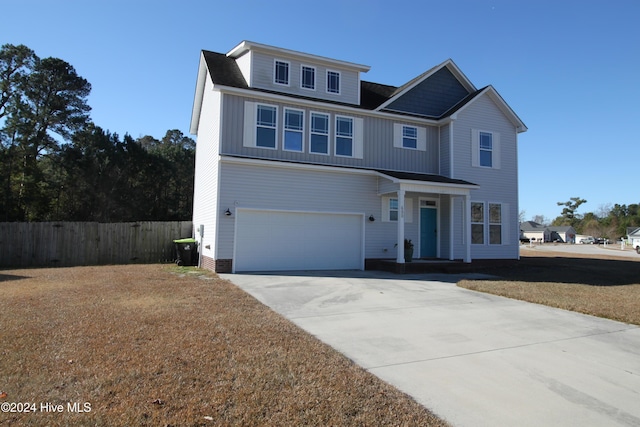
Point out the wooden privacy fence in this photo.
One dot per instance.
(46, 244)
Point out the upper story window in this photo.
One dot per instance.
(281, 73)
(333, 82)
(485, 147)
(266, 116)
(319, 134)
(409, 137)
(308, 77)
(293, 129)
(344, 136)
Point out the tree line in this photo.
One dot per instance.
(610, 221)
(56, 164)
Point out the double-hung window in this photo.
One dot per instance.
(266, 116)
(293, 129)
(409, 137)
(393, 209)
(333, 82)
(477, 223)
(308, 77)
(486, 149)
(495, 224)
(281, 73)
(344, 136)
(319, 134)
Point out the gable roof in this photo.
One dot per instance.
(633, 230)
(531, 226)
(224, 71)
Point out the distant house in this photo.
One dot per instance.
(534, 231)
(633, 236)
(538, 232)
(564, 234)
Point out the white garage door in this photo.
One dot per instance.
(281, 240)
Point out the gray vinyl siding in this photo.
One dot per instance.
(378, 149)
(445, 151)
(496, 185)
(284, 188)
(433, 96)
(205, 207)
(263, 78)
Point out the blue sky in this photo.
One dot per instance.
(568, 68)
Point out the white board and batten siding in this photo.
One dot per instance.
(269, 240)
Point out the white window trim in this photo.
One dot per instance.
(339, 82)
(256, 105)
(311, 113)
(275, 72)
(315, 77)
(483, 223)
(284, 129)
(386, 207)
(421, 144)
(336, 136)
(504, 224)
(495, 149)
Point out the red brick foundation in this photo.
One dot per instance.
(217, 265)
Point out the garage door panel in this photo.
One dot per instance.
(281, 240)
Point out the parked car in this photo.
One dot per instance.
(590, 240)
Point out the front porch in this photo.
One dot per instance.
(426, 266)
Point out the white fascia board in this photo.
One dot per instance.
(246, 46)
(324, 105)
(502, 105)
(203, 75)
(470, 87)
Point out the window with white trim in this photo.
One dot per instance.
(266, 119)
(308, 77)
(293, 130)
(486, 149)
(344, 136)
(393, 209)
(495, 224)
(477, 223)
(485, 146)
(333, 82)
(281, 73)
(409, 137)
(319, 133)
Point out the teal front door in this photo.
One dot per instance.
(428, 233)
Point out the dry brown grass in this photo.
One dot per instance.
(145, 345)
(605, 286)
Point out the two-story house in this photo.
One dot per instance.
(301, 165)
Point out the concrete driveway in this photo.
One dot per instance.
(473, 359)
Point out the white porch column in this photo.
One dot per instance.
(400, 257)
(452, 205)
(467, 222)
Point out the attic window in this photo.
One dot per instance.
(281, 73)
(308, 77)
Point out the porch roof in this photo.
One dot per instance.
(425, 183)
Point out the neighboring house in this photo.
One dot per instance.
(534, 231)
(301, 165)
(563, 234)
(542, 233)
(633, 236)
